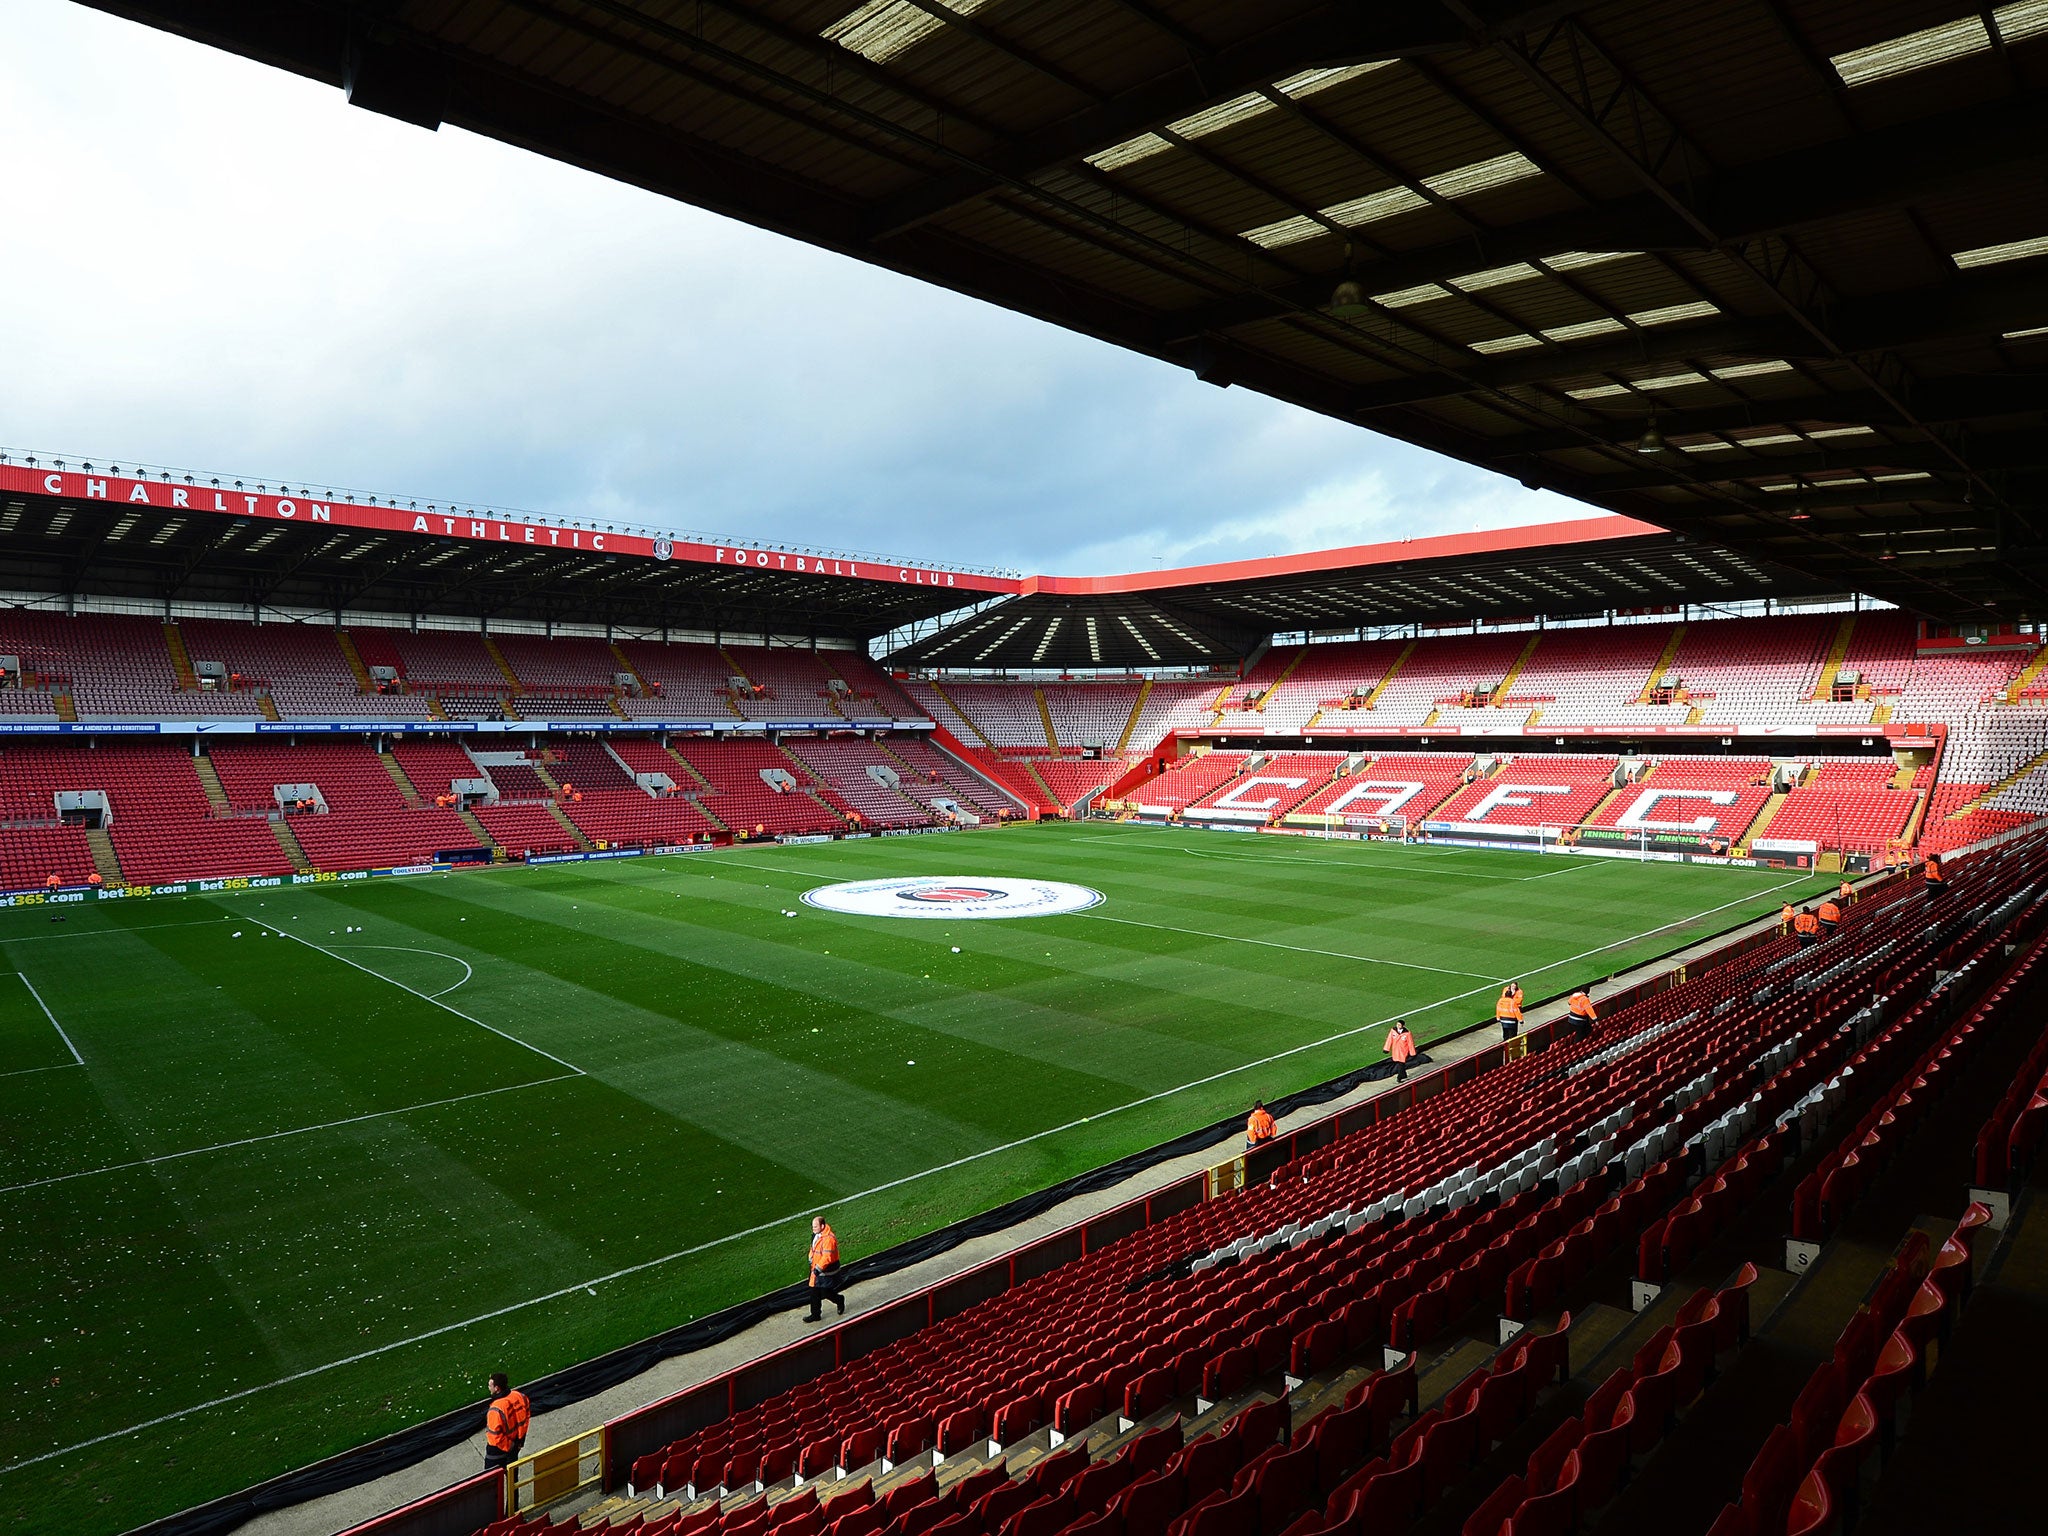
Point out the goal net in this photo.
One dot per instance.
(1391, 829)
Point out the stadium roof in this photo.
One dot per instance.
(1209, 613)
(1799, 243)
(163, 536)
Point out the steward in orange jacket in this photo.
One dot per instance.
(505, 1422)
(1932, 874)
(1830, 916)
(1807, 926)
(1785, 915)
(1258, 1126)
(1583, 1014)
(824, 1269)
(1507, 1012)
(1400, 1046)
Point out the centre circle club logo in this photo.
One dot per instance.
(953, 897)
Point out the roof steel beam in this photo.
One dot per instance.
(1327, 35)
(1960, 309)
(1948, 152)
(1962, 398)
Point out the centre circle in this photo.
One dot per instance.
(953, 897)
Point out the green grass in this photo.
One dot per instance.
(287, 1176)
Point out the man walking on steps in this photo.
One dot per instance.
(1807, 926)
(824, 1270)
(1400, 1046)
(1830, 917)
(505, 1423)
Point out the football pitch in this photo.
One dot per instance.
(285, 1170)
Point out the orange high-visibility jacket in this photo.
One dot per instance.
(1510, 1004)
(824, 1251)
(1400, 1045)
(1846, 891)
(506, 1422)
(1258, 1126)
(1830, 913)
(1932, 873)
(1582, 1005)
(1806, 922)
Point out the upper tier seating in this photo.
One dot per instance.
(301, 667)
(560, 662)
(24, 703)
(931, 702)
(1090, 714)
(1005, 714)
(1172, 707)
(876, 695)
(1446, 668)
(432, 660)
(1337, 671)
(118, 667)
(1592, 676)
(797, 683)
(687, 681)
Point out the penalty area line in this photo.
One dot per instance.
(833, 1204)
(467, 1018)
(76, 1059)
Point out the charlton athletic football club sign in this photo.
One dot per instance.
(953, 897)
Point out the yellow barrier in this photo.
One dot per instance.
(1225, 1177)
(534, 1481)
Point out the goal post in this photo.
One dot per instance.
(1389, 829)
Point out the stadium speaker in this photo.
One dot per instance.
(385, 71)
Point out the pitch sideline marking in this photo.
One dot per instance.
(413, 949)
(767, 1226)
(76, 1059)
(301, 1130)
(467, 1018)
(1300, 949)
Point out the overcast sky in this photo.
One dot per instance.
(208, 264)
